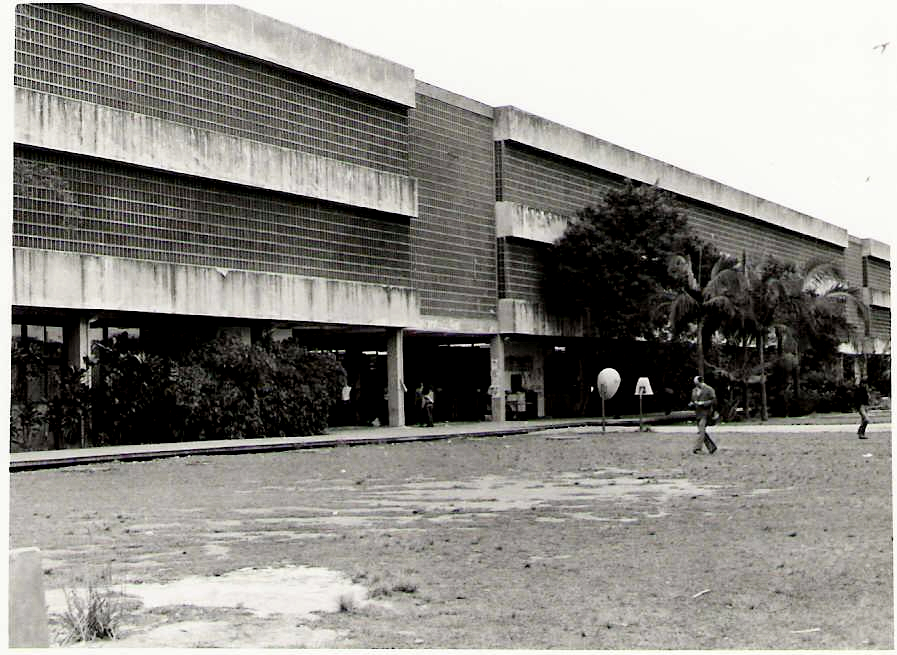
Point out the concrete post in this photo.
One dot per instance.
(77, 341)
(497, 377)
(27, 608)
(395, 372)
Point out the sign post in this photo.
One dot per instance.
(608, 383)
(642, 388)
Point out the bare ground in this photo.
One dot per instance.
(566, 539)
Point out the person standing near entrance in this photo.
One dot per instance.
(861, 403)
(703, 400)
(428, 402)
(419, 404)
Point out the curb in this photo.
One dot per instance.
(32, 461)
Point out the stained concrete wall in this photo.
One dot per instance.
(49, 121)
(455, 99)
(243, 31)
(512, 124)
(524, 317)
(513, 219)
(877, 297)
(43, 278)
(877, 249)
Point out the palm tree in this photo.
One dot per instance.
(813, 308)
(707, 306)
(763, 295)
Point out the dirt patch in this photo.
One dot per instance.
(602, 541)
(267, 605)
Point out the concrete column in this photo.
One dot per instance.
(77, 342)
(395, 371)
(497, 377)
(27, 608)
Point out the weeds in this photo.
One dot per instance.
(91, 616)
(347, 602)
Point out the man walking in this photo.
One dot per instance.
(703, 399)
(861, 402)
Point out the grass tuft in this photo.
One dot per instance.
(91, 616)
(347, 602)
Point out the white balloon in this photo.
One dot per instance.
(608, 383)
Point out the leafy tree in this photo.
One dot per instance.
(611, 262)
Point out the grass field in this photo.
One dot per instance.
(558, 539)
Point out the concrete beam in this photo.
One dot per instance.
(49, 121)
(877, 249)
(246, 32)
(44, 278)
(515, 220)
(877, 298)
(454, 325)
(450, 98)
(512, 124)
(524, 317)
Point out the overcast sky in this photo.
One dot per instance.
(789, 100)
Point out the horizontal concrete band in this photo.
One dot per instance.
(240, 30)
(43, 278)
(513, 219)
(49, 121)
(454, 99)
(877, 297)
(512, 124)
(529, 318)
(877, 249)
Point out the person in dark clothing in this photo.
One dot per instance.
(428, 402)
(703, 401)
(861, 403)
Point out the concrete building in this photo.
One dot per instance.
(204, 165)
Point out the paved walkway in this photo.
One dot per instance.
(675, 422)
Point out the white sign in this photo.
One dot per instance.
(608, 383)
(643, 387)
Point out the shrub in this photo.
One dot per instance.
(220, 389)
(304, 389)
(70, 408)
(227, 389)
(26, 420)
(130, 395)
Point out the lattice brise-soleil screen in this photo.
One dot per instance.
(79, 205)
(454, 235)
(565, 187)
(73, 52)
(522, 269)
(880, 323)
(541, 181)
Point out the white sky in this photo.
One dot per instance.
(785, 99)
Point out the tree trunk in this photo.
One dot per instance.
(582, 401)
(746, 375)
(700, 346)
(764, 412)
